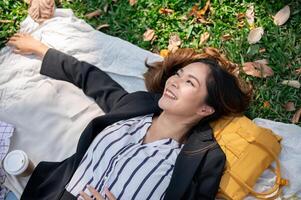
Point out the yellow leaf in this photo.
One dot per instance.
(266, 104)
(174, 42)
(164, 53)
(165, 11)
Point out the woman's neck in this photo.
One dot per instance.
(167, 126)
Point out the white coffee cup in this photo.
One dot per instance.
(17, 163)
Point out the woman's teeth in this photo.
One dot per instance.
(170, 94)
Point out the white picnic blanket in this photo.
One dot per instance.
(49, 115)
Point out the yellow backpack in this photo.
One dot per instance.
(249, 150)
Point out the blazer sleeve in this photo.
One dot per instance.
(212, 171)
(93, 81)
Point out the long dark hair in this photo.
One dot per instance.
(227, 94)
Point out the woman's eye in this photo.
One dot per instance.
(190, 82)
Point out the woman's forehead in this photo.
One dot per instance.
(196, 69)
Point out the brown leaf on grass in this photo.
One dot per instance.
(164, 53)
(226, 37)
(204, 37)
(296, 116)
(250, 15)
(199, 14)
(95, 13)
(132, 2)
(289, 106)
(148, 35)
(240, 16)
(282, 16)
(262, 50)
(255, 35)
(266, 104)
(174, 42)
(166, 11)
(258, 69)
(298, 71)
(103, 26)
(292, 83)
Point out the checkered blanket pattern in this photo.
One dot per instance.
(6, 131)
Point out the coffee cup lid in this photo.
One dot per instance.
(15, 162)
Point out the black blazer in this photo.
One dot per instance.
(198, 167)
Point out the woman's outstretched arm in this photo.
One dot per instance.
(93, 81)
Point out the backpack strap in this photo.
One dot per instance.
(272, 192)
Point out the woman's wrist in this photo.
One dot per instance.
(41, 50)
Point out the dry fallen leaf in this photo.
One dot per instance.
(41, 10)
(262, 50)
(250, 15)
(292, 83)
(266, 104)
(166, 11)
(132, 2)
(203, 11)
(93, 14)
(199, 14)
(255, 35)
(6, 21)
(258, 68)
(102, 26)
(148, 35)
(226, 37)
(298, 71)
(174, 42)
(282, 16)
(204, 37)
(296, 116)
(289, 106)
(164, 53)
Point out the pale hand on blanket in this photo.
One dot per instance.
(26, 44)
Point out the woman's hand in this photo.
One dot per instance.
(26, 44)
(96, 195)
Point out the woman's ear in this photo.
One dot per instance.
(205, 111)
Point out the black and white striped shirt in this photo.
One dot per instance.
(118, 159)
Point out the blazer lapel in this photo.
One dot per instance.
(188, 161)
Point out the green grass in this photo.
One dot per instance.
(282, 44)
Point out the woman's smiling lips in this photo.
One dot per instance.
(168, 93)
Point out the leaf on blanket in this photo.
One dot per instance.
(148, 35)
(289, 106)
(95, 13)
(296, 116)
(132, 2)
(255, 35)
(204, 37)
(164, 53)
(282, 16)
(41, 10)
(258, 68)
(103, 26)
(174, 42)
(292, 83)
(250, 15)
(166, 11)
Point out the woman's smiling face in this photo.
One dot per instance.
(185, 92)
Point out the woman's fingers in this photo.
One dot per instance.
(95, 193)
(84, 196)
(109, 194)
